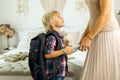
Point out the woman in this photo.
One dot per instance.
(102, 39)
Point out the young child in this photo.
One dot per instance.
(56, 60)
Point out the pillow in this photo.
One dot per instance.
(22, 45)
(32, 35)
(25, 38)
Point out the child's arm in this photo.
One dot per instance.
(50, 47)
(67, 50)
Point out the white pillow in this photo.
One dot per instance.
(25, 38)
(23, 35)
(32, 35)
(22, 45)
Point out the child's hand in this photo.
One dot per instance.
(66, 42)
(68, 50)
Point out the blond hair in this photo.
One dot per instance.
(47, 20)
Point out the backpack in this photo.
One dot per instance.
(36, 59)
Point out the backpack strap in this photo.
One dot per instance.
(58, 42)
(56, 67)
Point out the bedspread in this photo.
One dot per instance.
(16, 68)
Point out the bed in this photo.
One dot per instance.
(16, 70)
(19, 69)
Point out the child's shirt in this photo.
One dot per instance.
(62, 60)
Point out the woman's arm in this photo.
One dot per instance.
(86, 30)
(102, 19)
(100, 23)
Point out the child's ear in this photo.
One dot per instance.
(66, 42)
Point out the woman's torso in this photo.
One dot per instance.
(94, 9)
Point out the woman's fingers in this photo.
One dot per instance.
(85, 44)
(83, 48)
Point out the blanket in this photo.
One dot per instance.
(21, 56)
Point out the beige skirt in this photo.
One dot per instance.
(103, 58)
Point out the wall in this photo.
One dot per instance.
(73, 20)
(33, 19)
(116, 5)
(8, 11)
(9, 15)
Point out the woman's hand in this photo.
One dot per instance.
(85, 43)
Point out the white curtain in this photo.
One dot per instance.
(81, 6)
(53, 5)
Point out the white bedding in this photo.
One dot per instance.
(13, 67)
(12, 52)
(14, 70)
(77, 58)
(20, 69)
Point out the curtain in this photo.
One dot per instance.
(22, 7)
(53, 5)
(81, 6)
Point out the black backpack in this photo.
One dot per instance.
(36, 59)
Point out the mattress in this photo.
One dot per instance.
(14, 68)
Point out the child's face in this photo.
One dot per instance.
(58, 19)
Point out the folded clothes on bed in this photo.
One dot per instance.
(21, 56)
